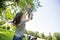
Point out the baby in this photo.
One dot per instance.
(29, 11)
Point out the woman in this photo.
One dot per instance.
(19, 22)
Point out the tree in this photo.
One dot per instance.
(49, 37)
(8, 15)
(42, 35)
(21, 3)
(56, 36)
(2, 22)
(8, 5)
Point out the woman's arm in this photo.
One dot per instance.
(24, 16)
(28, 18)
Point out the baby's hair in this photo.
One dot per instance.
(29, 4)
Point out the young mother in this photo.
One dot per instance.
(19, 21)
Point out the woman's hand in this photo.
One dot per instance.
(29, 17)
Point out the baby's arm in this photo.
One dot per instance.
(31, 14)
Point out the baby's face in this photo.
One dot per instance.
(29, 6)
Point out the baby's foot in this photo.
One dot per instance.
(31, 18)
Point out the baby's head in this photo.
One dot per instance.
(28, 6)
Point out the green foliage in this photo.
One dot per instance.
(2, 22)
(42, 35)
(8, 15)
(7, 35)
(34, 4)
(36, 34)
(49, 38)
(56, 36)
(9, 27)
(12, 27)
(26, 32)
(2, 5)
(21, 3)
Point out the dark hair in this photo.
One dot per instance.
(17, 18)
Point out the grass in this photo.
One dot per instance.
(6, 34)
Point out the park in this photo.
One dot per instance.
(8, 10)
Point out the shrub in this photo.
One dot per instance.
(2, 22)
(56, 36)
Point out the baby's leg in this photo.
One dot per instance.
(30, 15)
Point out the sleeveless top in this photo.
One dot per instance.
(19, 32)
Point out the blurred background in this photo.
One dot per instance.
(44, 26)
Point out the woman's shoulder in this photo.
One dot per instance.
(23, 20)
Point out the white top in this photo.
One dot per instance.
(19, 32)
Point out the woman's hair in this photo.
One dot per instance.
(17, 18)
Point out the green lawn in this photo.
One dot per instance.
(6, 34)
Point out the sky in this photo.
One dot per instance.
(47, 18)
